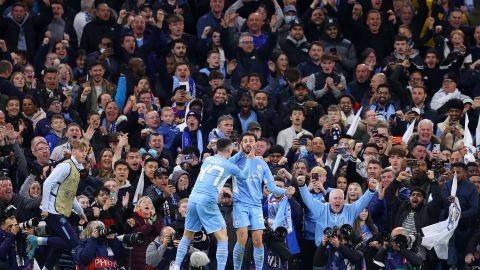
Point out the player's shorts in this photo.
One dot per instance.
(206, 215)
(248, 216)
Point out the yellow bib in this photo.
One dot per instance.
(67, 191)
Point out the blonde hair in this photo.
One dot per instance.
(79, 197)
(184, 200)
(319, 170)
(143, 198)
(80, 144)
(167, 109)
(359, 190)
(68, 68)
(92, 225)
(457, 32)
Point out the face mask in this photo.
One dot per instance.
(289, 19)
(102, 50)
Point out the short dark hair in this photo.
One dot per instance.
(175, 41)
(5, 66)
(49, 70)
(292, 75)
(400, 38)
(276, 149)
(148, 160)
(352, 99)
(384, 85)
(215, 75)
(97, 63)
(248, 134)
(100, 189)
(223, 144)
(420, 190)
(373, 145)
(299, 109)
(120, 162)
(316, 43)
(460, 165)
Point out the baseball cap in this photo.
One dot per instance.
(51, 100)
(415, 110)
(450, 76)
(331, 22)
(289, 8)
(254, 125)
(295, 23)
(467, 100)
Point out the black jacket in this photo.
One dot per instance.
(95, 30)
(33, 27)
(425, 215)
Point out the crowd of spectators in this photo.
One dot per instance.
(339, 94)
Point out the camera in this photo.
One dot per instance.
(275, 239)
(280, 234)
(29, 224)
(187, 158)
(403, 241)
(302, 141)
(131, 239)
(345, 231)
(106, 231)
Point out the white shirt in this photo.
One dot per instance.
(286, 136)
(440, 98)
(52, 183)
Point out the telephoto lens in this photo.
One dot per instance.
(29, 224)
(132, 239)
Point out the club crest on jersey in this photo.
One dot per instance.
(259, 167)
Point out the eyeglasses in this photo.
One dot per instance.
(56, 103)
(247, 42)
(43, 149)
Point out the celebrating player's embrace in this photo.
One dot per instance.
(203, 210)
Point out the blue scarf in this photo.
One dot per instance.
(113, 128)
(191, 83)
(280, 215)
(186, 140)
(215, 134)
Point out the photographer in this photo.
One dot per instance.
(282, 234)
(21, 203)
(99, 248)
(162, 250)
(398, 251)
(9, 230)
(337, 250)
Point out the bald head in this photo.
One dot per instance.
(398, 231)
(378, 79)
(167, 231)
